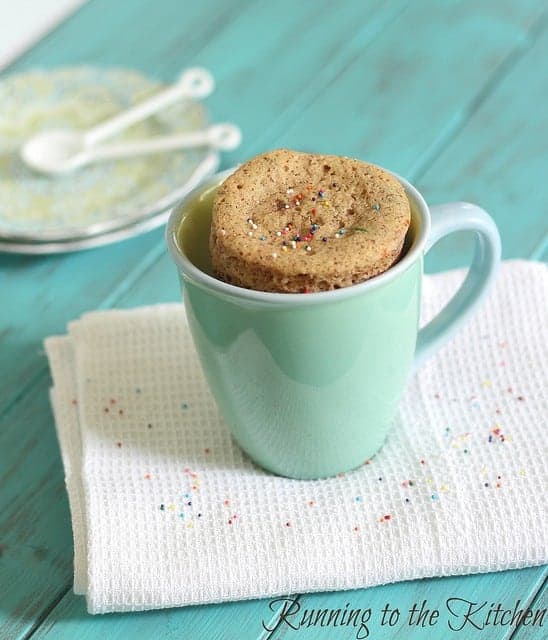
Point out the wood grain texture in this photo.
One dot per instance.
(290, 73)
(534, 632)
(498, 159)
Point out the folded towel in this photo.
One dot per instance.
(168, 511)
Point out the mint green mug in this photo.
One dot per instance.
(309, 384)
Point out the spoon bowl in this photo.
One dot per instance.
(53, 151)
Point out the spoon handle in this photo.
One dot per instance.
(220, 136)
(193, 83)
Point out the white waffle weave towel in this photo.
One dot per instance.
(167, 511)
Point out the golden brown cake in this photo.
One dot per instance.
(296, 222)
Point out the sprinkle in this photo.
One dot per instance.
(263, 237)
(324, 239)
(379, 479)
(288, 524)
(278, 233)
(147, 476)
(387, 516)
(485, 484)
(226, 503)
(308, 247)
(274, 255)
(162, 507)
(321, 193)
(207, 450)
(356, 528)
(184, 405)
(250, 234)
(307, 290)
(311, 503)
(314, 227)
(434, 496)
(423, 461)
(486, 383)
(289, 191)
(120, 412)
(293, 244)
(522, 472)
(286, 206)
(521, 398)
(407, 500)
(106, 409)
(297, 238)
(223, 232)
(149, 426)
(74, 402)
(284, 248)
(181, 515)
(119, 445)
(112, 401)
(358, 498)
(376, 207)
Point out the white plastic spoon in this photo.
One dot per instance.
(52, 151)
(220, 136)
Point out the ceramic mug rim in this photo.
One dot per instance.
(205, 281)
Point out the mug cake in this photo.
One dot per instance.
(293, 222)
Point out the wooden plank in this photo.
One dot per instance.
(238, 620)
(499, 160)
(392, 103)
(35, 533)
(531, 631)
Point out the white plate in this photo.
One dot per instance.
(99, 200)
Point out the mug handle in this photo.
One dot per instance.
(446, 218)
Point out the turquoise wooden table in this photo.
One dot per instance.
(451, 95)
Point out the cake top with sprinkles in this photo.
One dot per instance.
(297, 222)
